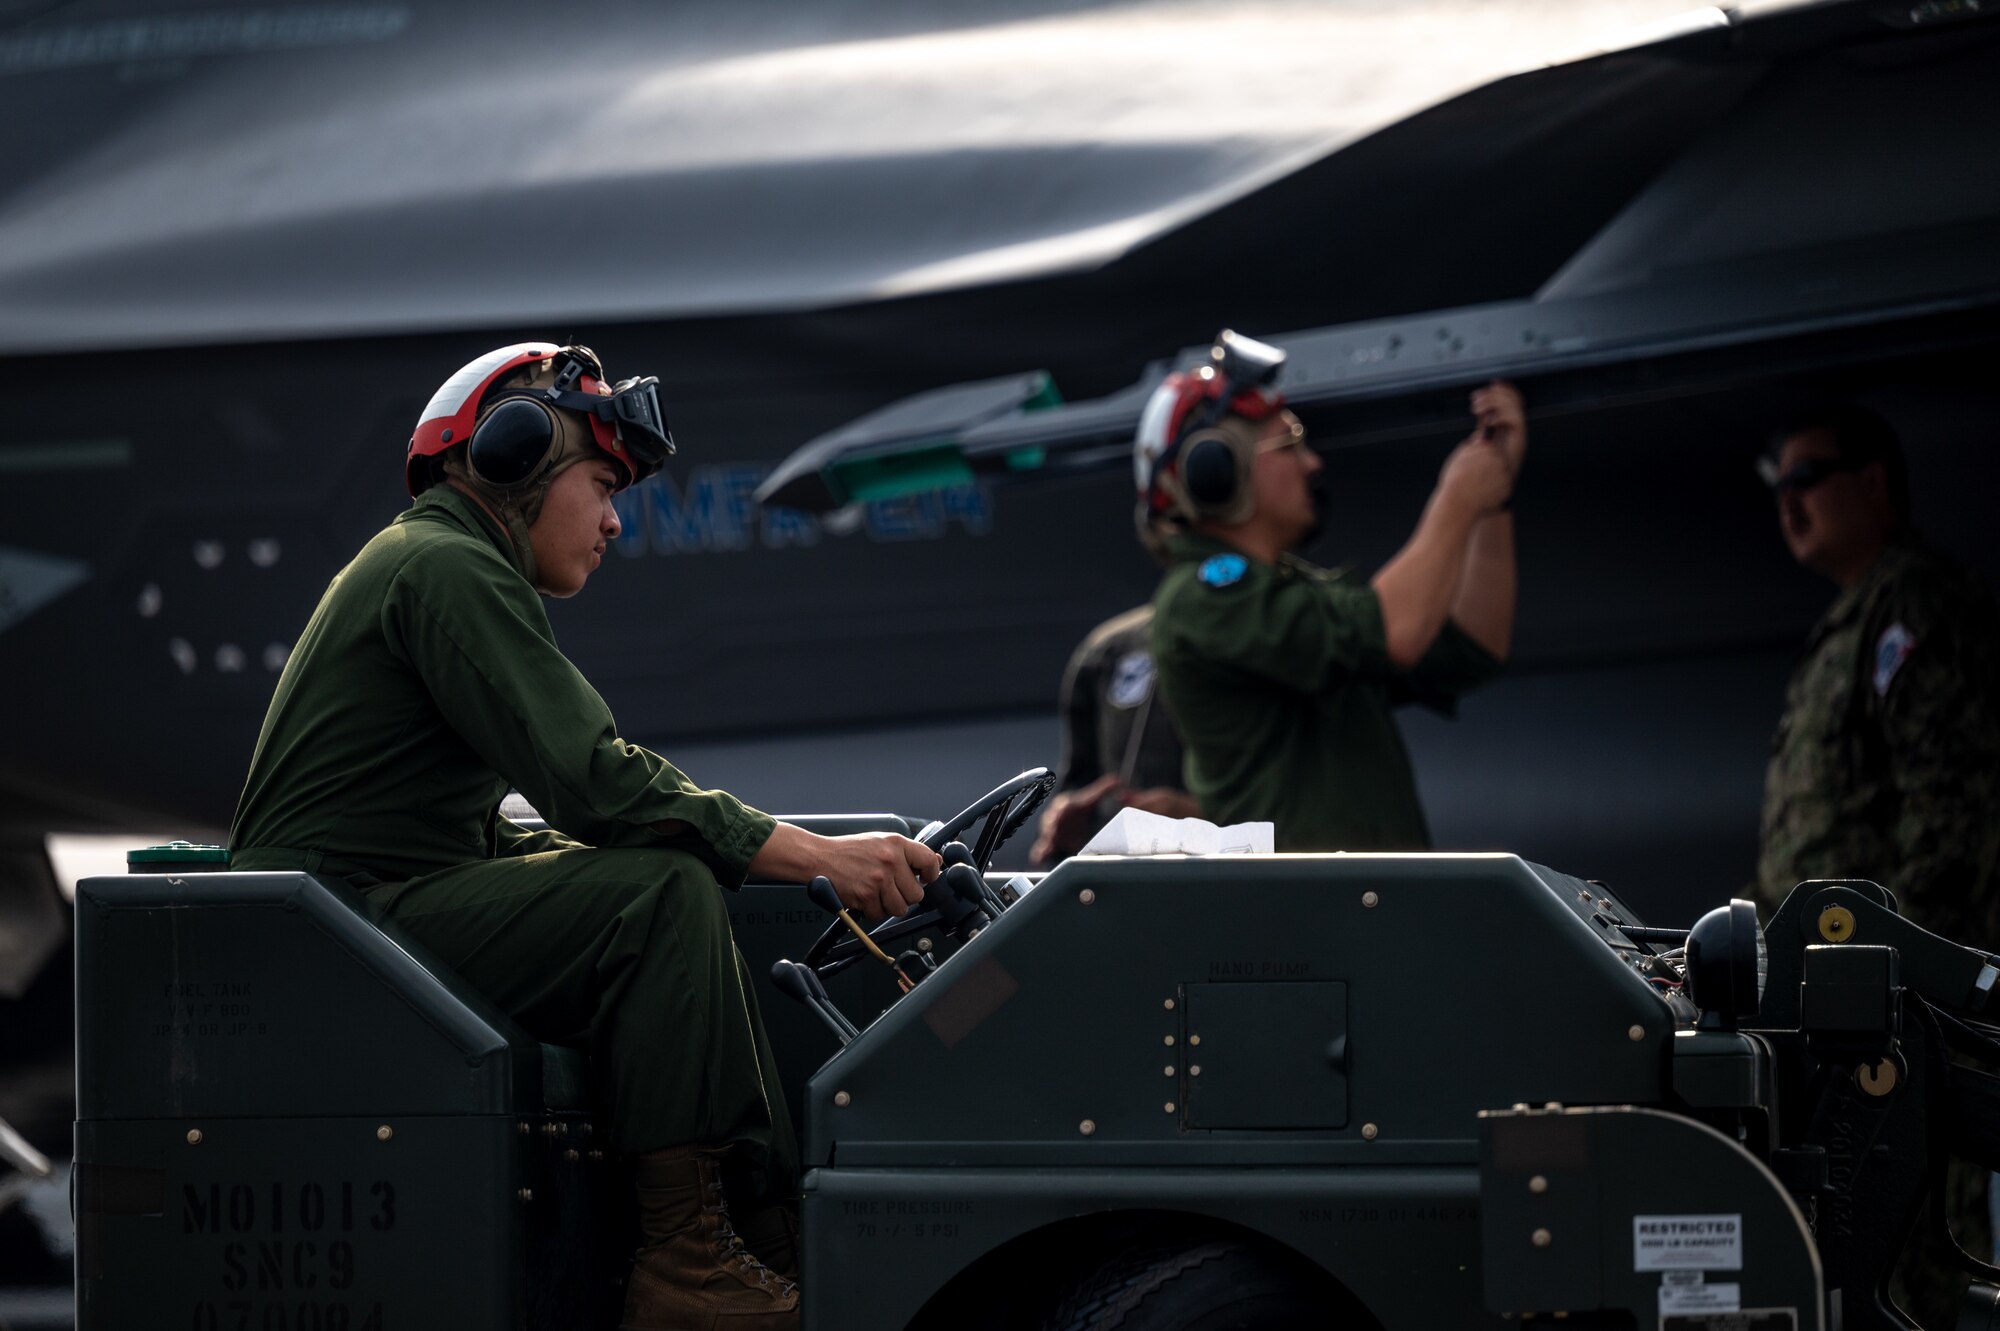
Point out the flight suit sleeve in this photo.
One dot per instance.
(1080, 763)
(1283, 628)
(1927, 665)
(1454, 666)
(477, 635)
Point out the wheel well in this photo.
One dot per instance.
(1019, 1283)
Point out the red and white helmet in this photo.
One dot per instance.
(1188, 408)
(626, 423)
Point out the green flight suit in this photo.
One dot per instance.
(426, 684)
(1279, 680)
(1886, 766)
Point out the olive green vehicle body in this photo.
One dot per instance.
(1442, 1088)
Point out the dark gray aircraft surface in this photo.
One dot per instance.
(248, 242)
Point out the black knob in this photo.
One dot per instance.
(820, 890)
(786, 976)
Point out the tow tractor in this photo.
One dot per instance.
(1404, 1092)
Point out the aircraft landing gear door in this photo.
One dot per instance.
(1265, 1055)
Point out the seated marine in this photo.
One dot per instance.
(427, 684)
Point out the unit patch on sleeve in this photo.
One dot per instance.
(1131, 679)
(1891, 650)
(1223, 570)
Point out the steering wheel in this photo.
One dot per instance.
(1005, 808)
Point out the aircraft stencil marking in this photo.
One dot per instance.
(715, 511)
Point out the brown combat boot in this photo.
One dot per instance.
(692, 1272)
(771, 1233)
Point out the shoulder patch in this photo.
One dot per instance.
(1223, 570)
(1131, 680)
(1891, 650)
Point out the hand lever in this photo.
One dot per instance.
(966, 884)
(799, 983)
(820, 890)
(986, 899)
(811, 977)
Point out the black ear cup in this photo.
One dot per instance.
(1209, 471)
(510, 444)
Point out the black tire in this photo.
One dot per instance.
(1219, 1286)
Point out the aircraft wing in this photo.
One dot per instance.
(371, 166)
(1842, 207)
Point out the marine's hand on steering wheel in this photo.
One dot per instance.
(879, 873)
(1004, 809)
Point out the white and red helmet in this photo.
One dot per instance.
(625, 422)
(1169, 465)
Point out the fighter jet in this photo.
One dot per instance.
(240, 246)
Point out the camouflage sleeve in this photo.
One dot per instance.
(1929, 672)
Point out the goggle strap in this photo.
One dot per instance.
(630, 407)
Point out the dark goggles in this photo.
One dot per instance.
(1801, 476)
(1247, 369)
(633, 411)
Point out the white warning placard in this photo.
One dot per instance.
(1683, 1292)
(1687, 1242)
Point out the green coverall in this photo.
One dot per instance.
(427, 683)
(1280, 683)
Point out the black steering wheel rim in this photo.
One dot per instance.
(1005, 807)
(1011, 803)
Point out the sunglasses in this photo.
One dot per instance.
(1294, 437)
(1801, 476)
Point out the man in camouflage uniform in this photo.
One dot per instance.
(1119, 749)
(1886, 764)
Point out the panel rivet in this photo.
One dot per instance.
(384, 1133)
(1170, 1042)
(1170, 1005)
(1170, 1106)
(1538, 1185)
(925, 945)
(1087, 1127)
(1370, 900)
(1541, 1238)
(842, 1099)
(1088, 895)
(1194, 1039)
(1635, 1032)
(194, 1136)
(1170, 1069)
(1369, 1132)
(1194, 1070)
